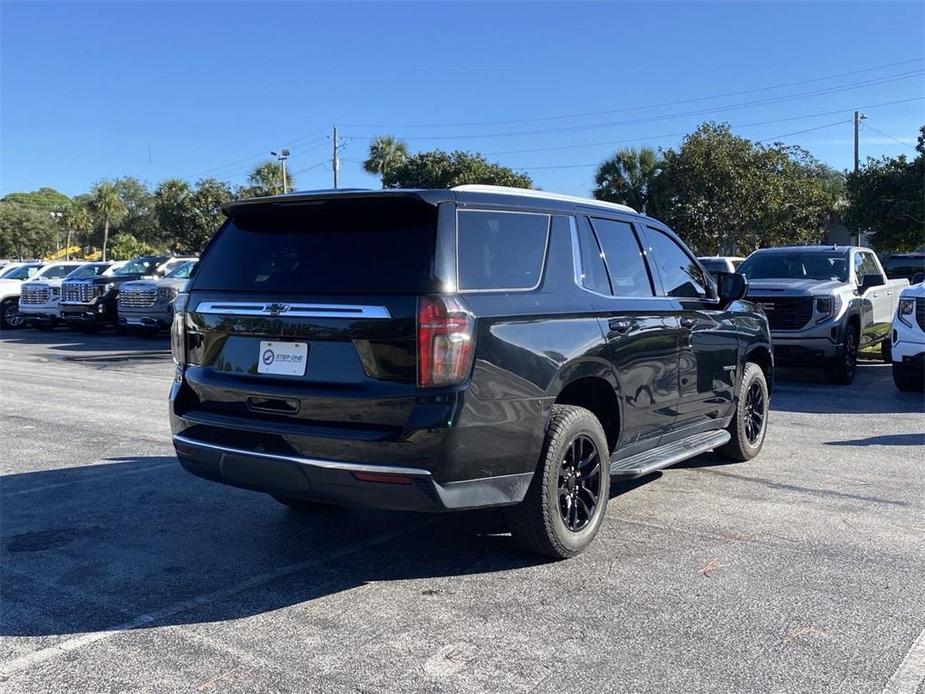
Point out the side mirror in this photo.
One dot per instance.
(917, 278)
(730, 286)
(868, 281)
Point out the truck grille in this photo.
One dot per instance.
(132, 297)
(78, 292)
(785, 312)
(920, 313)
(34, 295)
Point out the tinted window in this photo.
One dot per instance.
(593, 273)
(337, 246)
(868, 265)
(898, 266)
(183, 270)
(501, 250)
(817, 265)
(680, 274)
(56, 272)
(20, 272)
(715, 265)
(140, 266)
(88, 271)
(623, 256)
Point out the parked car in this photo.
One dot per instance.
(147, 305)
(909, 338)
(823, 303)
(720, 263)
(456, 349)
(904, 265)
(11, 285)
(90, 304)
(38, 302)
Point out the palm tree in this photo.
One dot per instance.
(267, 179)
(108, 206)
(385, 153)
(627, 177)
(77, 218)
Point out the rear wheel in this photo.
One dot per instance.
(10, 317)
(908, 380)
(565, 504)
(750, 422)
(840, 371)
(886, 351)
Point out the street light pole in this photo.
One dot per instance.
(858, 117)
(281, 157)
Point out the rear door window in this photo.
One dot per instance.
(623, 257)
(593, 276)
(336, 247)
(680, 274)
(500, 250)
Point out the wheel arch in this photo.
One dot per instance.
(762, 355)
(593, 385)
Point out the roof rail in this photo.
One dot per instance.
(540, 194)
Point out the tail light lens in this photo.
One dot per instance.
(445, 340)
(178, 329)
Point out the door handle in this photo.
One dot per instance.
(620, 325)
(687, 322)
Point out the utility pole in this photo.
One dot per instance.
(858, 117)
(335, 161)
(281, 157)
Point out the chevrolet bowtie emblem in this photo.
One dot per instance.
(275, 309)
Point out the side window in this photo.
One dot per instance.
(680, 275)
(868, 264)
(56, 272)
(501, 250)
(593, 272)
(858, 267)
(623, 257)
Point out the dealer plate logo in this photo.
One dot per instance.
(283, 358)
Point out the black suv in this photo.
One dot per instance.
(456, 349)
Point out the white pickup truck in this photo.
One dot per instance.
(824, 303)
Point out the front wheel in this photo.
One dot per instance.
(10, 317)
(750, 422)
(908, 380)
(840, 371)
(564, 506)
(886, 351)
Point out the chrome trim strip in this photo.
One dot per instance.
(239, 308)
(311, 462)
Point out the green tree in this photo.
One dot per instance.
(385, 153)
(43, 199)
(174, 209)
(189, 217)
(887, 197)
(125, 247)
(139, 220)
(211, 194)
(26, 232)
(438, 169)
(76, 218)
(627, 176)
(108, 206)
(725, 194)
(266, 179)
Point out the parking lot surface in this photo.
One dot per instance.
(799, 571)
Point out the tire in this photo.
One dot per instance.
(886, 351)
(908, 380)
(840, 371)
(10, 317)
(302, 505)
(555, 519)
(749, 424)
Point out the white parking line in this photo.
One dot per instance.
(29, 660)
(911, 671)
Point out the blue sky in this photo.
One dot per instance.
(156, 90)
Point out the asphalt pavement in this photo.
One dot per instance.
(799, 571)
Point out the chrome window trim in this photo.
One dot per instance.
(311, 462)
(293, 310)
(539, 280)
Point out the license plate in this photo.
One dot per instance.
(282, 358)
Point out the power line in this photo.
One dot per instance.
(310, 168)
(635, 108)
(895, 139)
(255, 156)
(807, 130)
(671, 116)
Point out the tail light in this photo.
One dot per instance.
(178, 329)
(445, 340)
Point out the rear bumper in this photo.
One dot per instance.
(347, 483)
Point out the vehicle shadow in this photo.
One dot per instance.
(886, 440)
(92, 548)
(872, 392)
(107, 344)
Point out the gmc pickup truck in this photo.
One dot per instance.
(824, 303)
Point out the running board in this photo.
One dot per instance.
(668, 454)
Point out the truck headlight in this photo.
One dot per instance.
(166, 294)
(104, 289)
(827, 306)
(906, 310)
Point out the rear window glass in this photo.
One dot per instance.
(336, 246)
(623, 256)
(501, 250)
